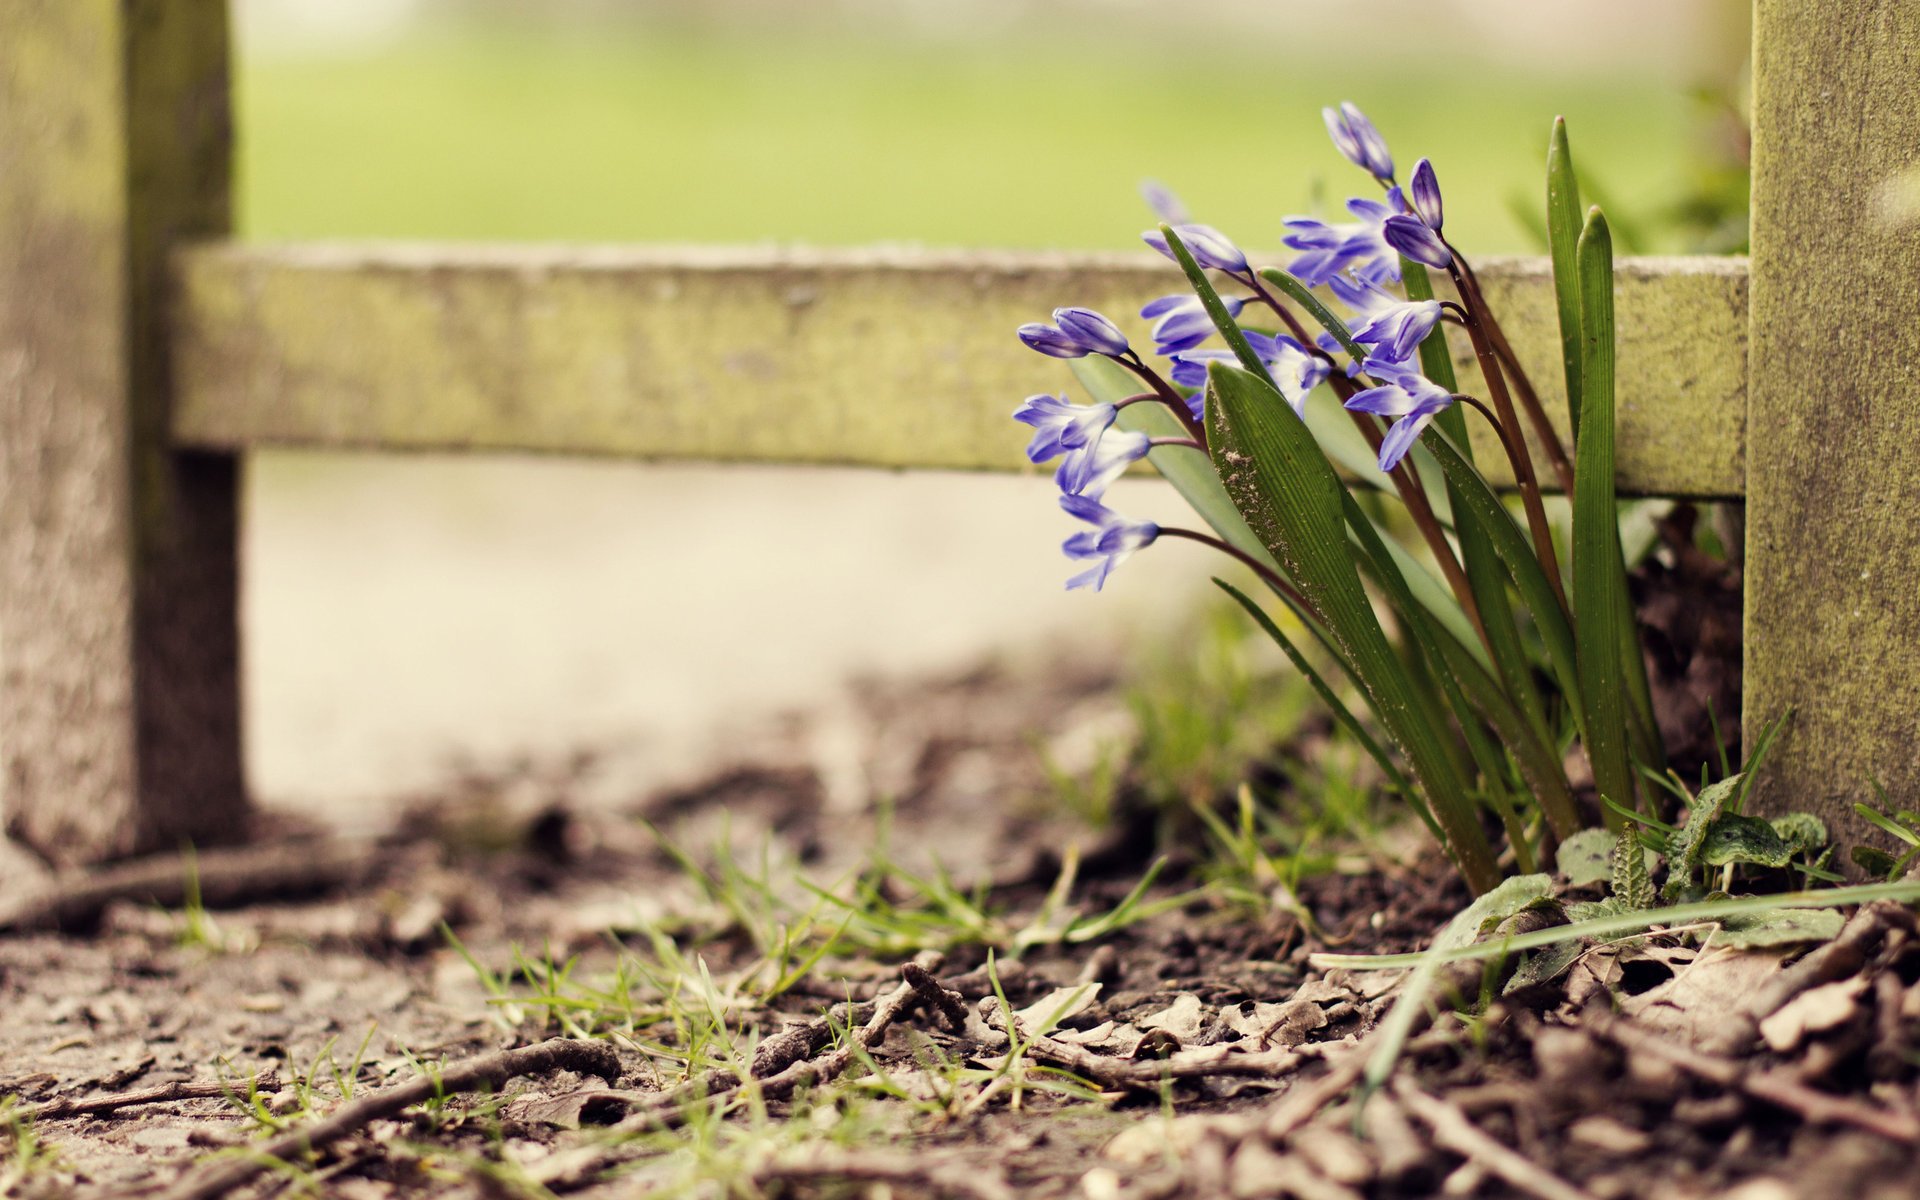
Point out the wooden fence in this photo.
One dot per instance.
(142, 356)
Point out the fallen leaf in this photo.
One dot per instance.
(1183, 1018)
(1056, 1006)
(1813, 1011)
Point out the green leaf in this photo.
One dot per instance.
(1684, 848)
(1586, 857)
(1284, 486)
(1877, 818)
(1801, 831)
(1341, 712)
(1544, 966)
(1779, 927)
(1597, 608)
(1563, 236)
(1632, 886)
(1875, 861)
(1736, 839)
(1616, 924)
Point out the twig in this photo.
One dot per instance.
(1841, 957)
(163, 1094)
(487, 1072)
(1453, 1131)
(970, 1179)
(226, 879)
(1115, 1074)
(669, 1109)
(1775, 1087)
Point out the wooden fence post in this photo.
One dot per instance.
(119, 713)
(1833, 426)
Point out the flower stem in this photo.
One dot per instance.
(1259, 568)
(1175, 402)
(1528, 483)
(1177, 441)
(1529, 398)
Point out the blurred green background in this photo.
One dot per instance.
(407, 612)
(837, 124)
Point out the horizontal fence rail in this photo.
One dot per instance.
(875, 358)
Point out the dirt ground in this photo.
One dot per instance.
(515, 995)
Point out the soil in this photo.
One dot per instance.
(319, 967)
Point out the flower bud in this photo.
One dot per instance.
(1425, 193)
(1356, 138)
(1094, 332)
(1050, 341)
(1412, 237)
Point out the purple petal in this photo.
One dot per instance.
(1411, 237)
(1163, 202)
(1426, 194)
(1050, 341)
(1091, 330)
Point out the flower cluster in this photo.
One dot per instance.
(1357, 262)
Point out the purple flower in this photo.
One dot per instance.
(1393, 328)
(1163, 202)
(1060, 426)
(1295, 370)
(1356, 138)
(1358, 246)
(1089, 468)
(1425, 192)
(1090, 329)
(1209, 247)
(1050, 341)
(1183, 321)
(1412, 237)
(1112, 538)
(1409, 397)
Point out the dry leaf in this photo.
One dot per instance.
(1184, 1018)
(1813, 1011)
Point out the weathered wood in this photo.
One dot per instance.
(889, 359)
(119, 717)
(1833, 610)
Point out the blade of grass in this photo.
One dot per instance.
(1341, 713)
(1563, 239)
(1597, 609)
(1618, 924)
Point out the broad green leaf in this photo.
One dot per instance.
(1802, 831)
(1277, 477)
(1597, 596)
(1779, 927)
(1586, 857)
(1627, 865)
(1875, 861)
(1685, 846)
(1544, 966)
(1563, 237)
(1736, 839)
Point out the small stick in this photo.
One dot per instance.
(669, 1109)
(1777, 1088)
(969, 1179)
(1452, 1130)
(163, 1094)
(484, 1073)
(1116, 1074)
(226, 878)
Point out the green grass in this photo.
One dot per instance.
(514, 133)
